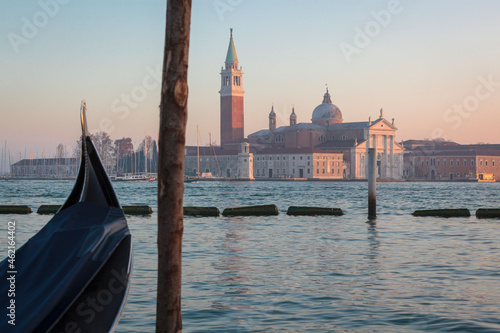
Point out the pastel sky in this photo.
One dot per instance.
(431, 65)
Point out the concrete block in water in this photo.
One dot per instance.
(487, 213)
(201, 211)
(129, 210)
(462, 212)
(309, 211)
(137, 210)
(48, 209)
(251, 211)
(15, 209)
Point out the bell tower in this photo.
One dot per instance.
(231, 98)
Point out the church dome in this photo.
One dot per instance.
(327, 113)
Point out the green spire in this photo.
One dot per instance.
(231, 51)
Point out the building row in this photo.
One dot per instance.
(251, 163)
(448, 160)
(52, 168)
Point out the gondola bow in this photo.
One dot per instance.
(74, 274)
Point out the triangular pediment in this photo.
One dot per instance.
(382, 123)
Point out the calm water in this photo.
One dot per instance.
(312, 274)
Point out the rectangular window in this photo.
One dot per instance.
(451, 162)
(465, 162)
(444, 162)
(471, 162)
(458, 162)
(438, 162)
(308, 170)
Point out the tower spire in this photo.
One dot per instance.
(231, 50)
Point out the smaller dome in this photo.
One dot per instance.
(272, 114)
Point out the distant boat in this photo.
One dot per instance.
(133, 178)
(485, 178)
(74, 274)
(190, 180)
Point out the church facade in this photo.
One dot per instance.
(328, 131)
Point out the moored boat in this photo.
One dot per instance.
(74, 274)
(485, 178)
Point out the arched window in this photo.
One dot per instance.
(321, 138)
(279, 138)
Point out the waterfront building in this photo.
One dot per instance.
(442, 160)
(266, 163)
(53, 168)
(328, 131)
(46, 168)
(303, 163)
(219, 161)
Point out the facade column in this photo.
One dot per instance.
(385, 162)
(391, 156)
(374, 145)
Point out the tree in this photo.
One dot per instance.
(171, 145)
(60, 153)
(103, 144)
(77, 151)
(154, 162)
(124, 149)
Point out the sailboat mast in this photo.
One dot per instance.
(210, 139)
(198, 149)
(145, 152)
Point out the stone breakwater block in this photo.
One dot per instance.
(487, 213)
(48, 209)
(137, 210)
(201, 211)
(15, 209)
(251, 211)
(462, 212)
(310, 211)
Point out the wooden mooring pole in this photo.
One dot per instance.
(171, 144)
(372, 183)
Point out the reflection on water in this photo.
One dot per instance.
(398, 273)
